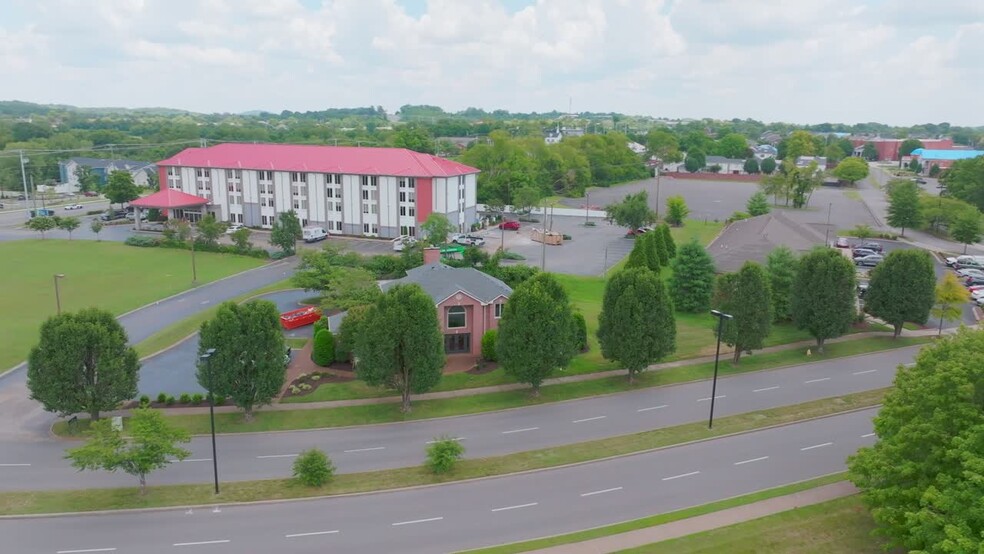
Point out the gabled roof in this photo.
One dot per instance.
(349, 160)
(442, 282)
(103, 163)
(928, 154)
(711, 160)
(753, 238)
(169, 198)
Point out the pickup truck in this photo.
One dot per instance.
(468, 240)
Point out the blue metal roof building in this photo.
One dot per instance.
(949, 155)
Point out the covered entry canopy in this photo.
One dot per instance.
(167, 199)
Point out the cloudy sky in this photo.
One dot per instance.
(806, 61)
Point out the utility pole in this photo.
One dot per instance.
(587, 204)
(543, 240)
(656, 170)
(24, 160)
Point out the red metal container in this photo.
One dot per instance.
(300, 317)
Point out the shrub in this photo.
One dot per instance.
(488, 345)
(220, 400)
(169, 401)
(185, 398)
(323, 351)
(142, 241)
(279, 255)
(313, 468)
(161, 398)
(95, 212)
(507, 255)
(319, 325)
(443, 454)
(582, 331)
(144, 400)
(197, 398)
(738, 216)
(304, 386)
(567, 237)
(316, 377)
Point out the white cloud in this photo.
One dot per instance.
(806, 61)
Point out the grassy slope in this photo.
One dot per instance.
(108, 275)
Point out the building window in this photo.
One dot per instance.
(333, 178)
(365, 194)
(265, 175)
(298, 177)
(403, 211)
(298, 190)
(300, 204)
(456, 317)
(338, 206)
(329, 192)
(498, 311)
(172, 171)
(412, 212)
(234, 174)
(202, 173)
(403, 196)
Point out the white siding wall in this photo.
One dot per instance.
(316, 196)
(471, 191)
(440, 189)
(388, 205)
(352, 196)
(251, 187)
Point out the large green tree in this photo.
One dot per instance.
(676, 210)
(751, 166)
(150, 444)
(757, 204)
(209, 230)
(869, 152)
(664, 146)
(781, 269)
(908, 145)
(413, 137)
(286, 232)
(82, 364)
(88, 181)
(823, 294)
(248, 363)
(799, 143)
(732, 145)
(400, 344)
(636, 326)
(42, 224)
(341, 287)
(950, 296)
(696, 160)
(692, 282)
(537, 331)
(902, 288)
(768, 166)
(436, 229)
(966, 228)
(69, 224)
(921, 479)
(851, 169)
(120, 188)
(632, 212)
(965, 180)
(644, 254)
(668, 241)
(745, 295)
(903, 205)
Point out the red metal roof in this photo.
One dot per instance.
(350, 160)
(169, 198)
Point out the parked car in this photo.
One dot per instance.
(132, 216)
(862, 288)
(920, 180)
(468, 240)
(871, 261)
(511, 225)
(42, 212)
(401, 242)
(73, 207)
(233, 227)
(313, 234)
(842, 243)
(640, 231)
(113, 215)
(968, 271)
(973, 280)
(90, 193)
(870, 245)
(21, 197)
(950, 261)
(861, 252)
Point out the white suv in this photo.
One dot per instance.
(468, 240)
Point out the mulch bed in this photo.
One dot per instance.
(306, 384)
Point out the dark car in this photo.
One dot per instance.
(868, 245)
(862, 252)
(862, 288)
(509, 225)
(870, 261)
(111, 215)
(920, 180)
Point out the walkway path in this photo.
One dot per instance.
(706, 522)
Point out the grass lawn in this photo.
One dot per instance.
(116, 498)
(841, 526)
(296, 342)
(108, 275)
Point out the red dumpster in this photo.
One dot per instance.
(300, 317)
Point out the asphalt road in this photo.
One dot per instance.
(471, 514)
(26, 466)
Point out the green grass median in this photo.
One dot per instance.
(36, 502)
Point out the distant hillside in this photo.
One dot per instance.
(18, 108)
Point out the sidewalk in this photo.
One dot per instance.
(521, 386)
(706, 522)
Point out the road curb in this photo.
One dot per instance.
(432, 485)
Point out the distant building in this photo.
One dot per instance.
(732, 166)
(942, 158)
(752, 239)
(637, 148)
(805, 161)
(102, 167)
(560, 133)
(888, 149)
(763, 151)
(770, 137)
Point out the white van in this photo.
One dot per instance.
(314, 234)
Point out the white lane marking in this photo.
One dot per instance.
(863, 372)
(868, 435)
(651, 408)
(603, 491)
(199, 543)
(311, 534)
(454, 439)
(86, 550)
(766, 388)
(679, 476)
(708, 398)
(816, 446)
(364, 449)
(588, 419)
(205, 301)
(15, 465)
(503, 509)
(520, 430)
(816, 380)
(417, 521)
(197, 460)
(276, 456)
(752, 460)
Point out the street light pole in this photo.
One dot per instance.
(717, 355)
(656, 170)
(194, 270)
(206, 359)
(56, 277)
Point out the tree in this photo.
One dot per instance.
(781, 270)
(443, 454)
(632, 212)
(96, 227)
(525, 198)
(348, 331)
(862, 231)
(869, 152)
(655, 239)
(400, 344)
(313, 468)
(69, 224)
(757, 204)
(902, 288)
(745, 295)
(42, 224)
(934, 171)
(151, 444)
(921, 478)
(664, 146)
(240, 237)
(833, 153)
(903, 206)
(823, 294)
(751, 166)
(436, 229)
(88, 181)
(676, 210)
(82, 364)
(851, 169)
(966, 228)
(537, 332)
(340, 287)
(732, 145)
(950, 297)
(120, 188)
(692, 281)
(965, 180)
(323, 349)
(414, 137)
(696, 160)
(209, 230)
(799, 143)
(668, 241)
(768, 166)
(286, 232)
(915, 166)
(908, 145)
(636, 326)
(644, 254)
(248, 362)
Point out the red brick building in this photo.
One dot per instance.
(888, 149)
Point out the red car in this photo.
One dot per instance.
(842, 243)
(509, 225)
